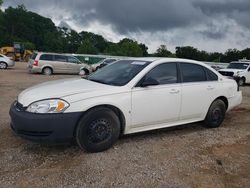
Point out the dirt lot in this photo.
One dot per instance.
(187, 156)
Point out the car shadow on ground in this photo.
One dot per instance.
(180, 130)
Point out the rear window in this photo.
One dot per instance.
(192, 73)
(211, 76)
(33, 56)
(46, 57)
(60, 58)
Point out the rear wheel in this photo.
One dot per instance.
(47, 71)
(3, 65)
(216, 114)
(98, 130)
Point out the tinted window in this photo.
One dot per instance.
(73, 60)
(238, 65)
(211, 76)
(46, 57)
(165, 73)
(192, 72)
(33, 56)
(61, 58)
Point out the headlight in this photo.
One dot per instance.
(48, 106)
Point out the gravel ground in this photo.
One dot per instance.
(185, 156)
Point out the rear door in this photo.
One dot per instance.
(200, 87)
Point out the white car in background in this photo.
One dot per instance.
(6, 62)
(128, 96)
(239, 70)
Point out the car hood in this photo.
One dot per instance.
(232, 70)
(60, 89)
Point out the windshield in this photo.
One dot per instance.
(238, 65)
(118, 73)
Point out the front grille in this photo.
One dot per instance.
(19, 106)
(225, 73)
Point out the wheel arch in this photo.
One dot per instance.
(48, 66)
(224, 99)
(5, 63)
(86, 70)
(115, 109)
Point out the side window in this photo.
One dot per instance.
(211, 76)
(192, 72)
(46, 57)
(72, 60)
(61, 58)
(164, 73)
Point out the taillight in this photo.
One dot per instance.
(35, 63)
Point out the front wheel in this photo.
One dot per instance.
(3, 65)
(215, 114)
(242, 82)
(98, 130)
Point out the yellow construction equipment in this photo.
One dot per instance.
(17, 52)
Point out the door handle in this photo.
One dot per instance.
(174, 91)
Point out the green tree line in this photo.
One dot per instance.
(40, 33)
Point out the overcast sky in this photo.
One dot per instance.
(212, 25)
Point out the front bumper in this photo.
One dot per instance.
(46, 128)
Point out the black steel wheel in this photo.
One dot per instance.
(98, 130)
(216, 114)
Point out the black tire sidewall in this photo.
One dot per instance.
(242, 82)
(92, 115)
(219, 105)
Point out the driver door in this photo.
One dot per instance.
(155, 106)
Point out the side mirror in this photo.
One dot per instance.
(149, 82)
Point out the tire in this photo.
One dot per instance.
(216, 114)
(98, 130)
(3, 65)
(84, 72)
(242, 81)
(47, 71)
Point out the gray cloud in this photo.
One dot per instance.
(229, 9)
(125, 16)
(200, 23)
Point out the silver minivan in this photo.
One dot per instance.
(50, 63)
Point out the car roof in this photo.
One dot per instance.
(51, 53)
(165, 59)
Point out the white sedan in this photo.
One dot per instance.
(129, 96)
(6, 62)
